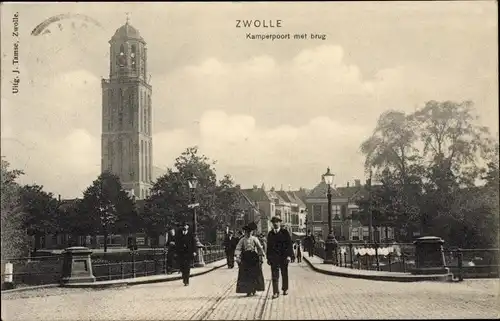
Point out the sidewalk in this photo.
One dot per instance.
(316, 263)
(125, 282)
(148, 279)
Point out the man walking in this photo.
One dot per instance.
(185, 249)
(230, 247)
(279, 253)
(310, 243)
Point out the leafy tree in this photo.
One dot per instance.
(106, 208)
(227, 202)
(14, 239)
(453, 144)
(41, 209)
(168, 203)
(171, 195)
(392, 152)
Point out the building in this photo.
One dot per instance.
(127, 142)
(344, 208)
(283, 208)
(266, 207)
(297, 212)
(250, 212)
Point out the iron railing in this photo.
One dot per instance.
(28, 271)
(400, 257)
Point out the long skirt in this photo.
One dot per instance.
(250, 276)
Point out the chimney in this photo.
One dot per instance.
(357, 182)
(347, 184)
(255, 187)
(59, 198)
(238, 186)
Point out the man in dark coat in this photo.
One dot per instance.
(185, 248)
(230, 243)
(310, 242)
(279, 253)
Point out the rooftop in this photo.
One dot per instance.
(127, 32)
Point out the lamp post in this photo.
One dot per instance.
(330, 243)
(199, 261)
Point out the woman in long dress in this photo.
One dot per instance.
(249, 253)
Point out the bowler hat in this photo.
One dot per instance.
(184, 223)
(246, 228)
(276, 219)
(252, 226)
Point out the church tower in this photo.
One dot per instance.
(127, 146)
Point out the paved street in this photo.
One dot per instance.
(212, 297)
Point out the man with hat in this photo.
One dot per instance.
(186, 251)
(279, 254)
(230, 243)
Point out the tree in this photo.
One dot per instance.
(14, 239)
(227, 201)
(41, 212)
(392, 152)
(453, 144)
(107, 208)
(170, 197)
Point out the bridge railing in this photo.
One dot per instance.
(400, 257)
(144, 263)
(42, 270)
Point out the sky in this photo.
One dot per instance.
(270, 112)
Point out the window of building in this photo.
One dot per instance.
(317, 211)
(355, 234)
(366, 234)
(132, 56)
(336, 212)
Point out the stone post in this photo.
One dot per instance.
(429, 256)
(77, 265)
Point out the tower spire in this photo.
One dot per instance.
(127, 17)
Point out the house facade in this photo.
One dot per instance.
(344, 207)
(265, 205)
(297, 212)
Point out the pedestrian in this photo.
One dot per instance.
(263, 242)
(297, 251)
(170, 247)
(310, 243)
(230, 243)
(239, 236)
(185, 249)
(249, 253)
(279, 254)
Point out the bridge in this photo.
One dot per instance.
(212, 296)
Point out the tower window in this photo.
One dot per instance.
(122, 59)
(132, 57)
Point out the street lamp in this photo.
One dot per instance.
(330, 243)
(199, 261)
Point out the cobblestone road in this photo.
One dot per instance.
(212, 297)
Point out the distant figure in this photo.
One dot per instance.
(171, 255)
(249, 253)
(297, 250)
(279, 255)
(263, 242)
(185, 249)
(309, 243)
(230, 243)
